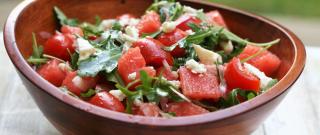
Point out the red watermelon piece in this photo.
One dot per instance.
(185, 109)
(266, 62)
(130, 62)
(200, 86)
(147, 109)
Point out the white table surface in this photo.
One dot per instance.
(298, 114)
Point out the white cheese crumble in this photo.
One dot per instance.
(132, 76)
(128, 21)
(107, 24)
(168, 27)
(64, 67)
(132, 32)
(227, 46)
(78, 82)
(118, 94)
(190, 10)
(175, 83)
(189, 32)
(85, 49)
(264, 80)
(206, 56)
(195, 67)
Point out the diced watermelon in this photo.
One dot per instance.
(147, 109)
(185, 109)
(150, 23)
(184, 20)
(266, 62)
(130, 62)
(215, 18)
(200, 86)
(168, 39)
(80, 84)
(237, 76)
(152, 52)
(167, 73)
(150, 71)
(52, 72)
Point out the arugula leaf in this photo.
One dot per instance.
(175, 11)
(232, 97)
(90, 29)
(88, 94)
(37, 54)
(74, 60)
(116, 26)
(152, 35)
(114, 77)
(106, 60)
(237, 49)
(63, 18)
(98, 20)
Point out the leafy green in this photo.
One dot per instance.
(175, 11)
(116, 26)
(90, 30)
(152, 35)
(114, 77)
(37, 54)
(88, 94)
(233, 99)
(64, 20)
(98, 20)
(106, 60)
(151, 89)
(74, 60)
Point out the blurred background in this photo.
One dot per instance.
(300, 16)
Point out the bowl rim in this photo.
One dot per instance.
(281, 87)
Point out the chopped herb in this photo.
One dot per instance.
(152, 88)
(106, 60)
(74, 60)
(152, 35)
(116, 26)
(90, 29)
(233, 99)
(98, 20)
(88, 94)
(37, 54)
(63, 18)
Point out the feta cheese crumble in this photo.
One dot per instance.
(168, 27)
(227, 46)
(78, 82)
(107, 24)
(84, 48)
(195, 67)
(118, 94)
(206, 56)
(132, 76)
(264, 80)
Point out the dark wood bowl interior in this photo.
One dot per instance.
(38, 17)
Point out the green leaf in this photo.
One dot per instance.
(90, 29)
(106, 60)
(175, 11)
(232, 97)
(74, 60)
(152, 35)
(98, 20)
(63, 18)
(37, 53)
(116, 26)
(88, 94)
(114, 77)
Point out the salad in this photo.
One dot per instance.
(172, 61)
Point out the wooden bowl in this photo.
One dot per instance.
(73, 116)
